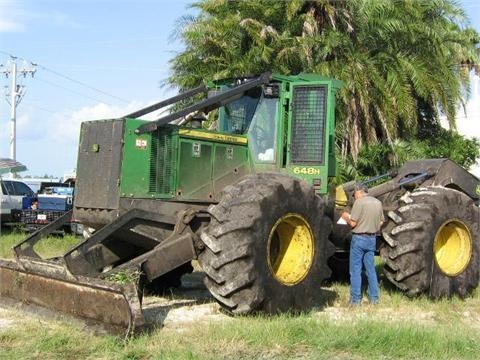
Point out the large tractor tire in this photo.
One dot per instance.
(432, 243)
(266, 246)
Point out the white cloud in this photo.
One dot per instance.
(71, 123)
(64, 128)
(10, 26)
(15, 17)
(51, 143)
(469, 124)
(10, 17)
(468, 120)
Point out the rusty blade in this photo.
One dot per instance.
(47, 284)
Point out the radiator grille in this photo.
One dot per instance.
(308, 125)
(162, 162)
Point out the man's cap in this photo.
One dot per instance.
(360, 187)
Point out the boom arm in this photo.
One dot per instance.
(163, 103)
(206, 105)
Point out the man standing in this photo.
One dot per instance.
(365, 220)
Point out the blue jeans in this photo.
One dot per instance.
(362, 251)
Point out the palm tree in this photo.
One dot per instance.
(402, 62)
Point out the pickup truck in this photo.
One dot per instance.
(52, 201)
(12, 194)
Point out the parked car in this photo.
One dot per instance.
(12, 195)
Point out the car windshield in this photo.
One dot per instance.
(16, 188)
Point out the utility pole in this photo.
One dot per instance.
(14, 98)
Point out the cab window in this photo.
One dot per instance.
(235, 117)
(262, 134)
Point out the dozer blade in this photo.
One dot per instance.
(48, 284)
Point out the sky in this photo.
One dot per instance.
(100, 59)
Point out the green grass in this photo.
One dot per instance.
(398, 328)
(7, 240)
(308, 336)
(47, 247)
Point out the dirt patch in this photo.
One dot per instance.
(5, 322)
(10, 315)
(368, 312)
(192, 304)
(16, 314)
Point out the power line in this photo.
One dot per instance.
(82, 83)
(69, 78)
(70, 90)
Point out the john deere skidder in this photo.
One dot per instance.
(248, 200)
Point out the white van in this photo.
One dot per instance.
(12, 193)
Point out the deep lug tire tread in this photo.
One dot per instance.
(236, 269)
(408, 250)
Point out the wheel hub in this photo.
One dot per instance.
(290, 249)
(453, 247)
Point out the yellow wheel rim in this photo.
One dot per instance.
(290, 249)
(453, 247)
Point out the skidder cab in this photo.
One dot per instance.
(271, 123)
